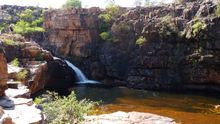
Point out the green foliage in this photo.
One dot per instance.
(105, 35)
(64, 110)
(28, 24)
(26, 15)
(197, 27)
(140, 41)
(104, 24)
(9, 42)
(217, 12)
(21, 76)
(168, 28)
(113, 10)
(108, 37)
(3, 26)
(15, 62)
(37, 22)
(72, 4)
(105, 17)
(39, 57)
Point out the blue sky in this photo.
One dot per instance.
(58, 3)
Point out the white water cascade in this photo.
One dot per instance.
(79, 74)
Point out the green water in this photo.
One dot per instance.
(184, 108)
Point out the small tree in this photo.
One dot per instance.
(72, 4)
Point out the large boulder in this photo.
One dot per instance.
(128, 118)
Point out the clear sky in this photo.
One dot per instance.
(59, 3)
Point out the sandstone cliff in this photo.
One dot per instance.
(3, 72)
(180, 48)
(174, 55)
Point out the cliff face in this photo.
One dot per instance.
(180, 48)
(178, 52)
(72, 31)
(3, 72)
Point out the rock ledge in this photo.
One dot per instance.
(128, 118)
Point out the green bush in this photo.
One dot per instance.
(113, 10)
(64, 110)
(105, 17)
(28, 24)
(26, 15)
(21, 76)
(3, 26)
(197, 27)
(15, 62)
(72, 4)
(140, 41)
(105, 35)
(104, 23)
(9, 42)
(168, 28)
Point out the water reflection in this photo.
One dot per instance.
(185, 108)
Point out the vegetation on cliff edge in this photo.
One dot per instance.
(72, 4)
(28, 23)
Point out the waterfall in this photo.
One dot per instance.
(81, 78)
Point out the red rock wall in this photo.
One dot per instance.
(3, 72)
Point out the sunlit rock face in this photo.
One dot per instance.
(71, 31)
(3, 72)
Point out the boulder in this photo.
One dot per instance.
(128, 118)
(39, 76)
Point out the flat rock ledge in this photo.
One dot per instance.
(18, 108)
(128, 118)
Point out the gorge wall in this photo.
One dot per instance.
(178, 52)
(180, 49)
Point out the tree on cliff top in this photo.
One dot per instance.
(72, 4)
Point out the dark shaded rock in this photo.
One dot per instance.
(6, 103)
(61, 76)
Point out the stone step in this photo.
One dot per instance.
(13, 69)
(14, 84)
(18, 93)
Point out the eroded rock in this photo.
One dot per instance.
(3, 72)
(128, 118)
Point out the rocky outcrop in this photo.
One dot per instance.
(9, 13)
(175, 55)
(34, 67)
(3, 72)
(128, 118)
(17, 106)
